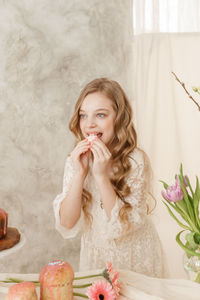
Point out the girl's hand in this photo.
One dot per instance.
(80, 157)
(102, 159)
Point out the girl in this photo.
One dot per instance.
(105, 185)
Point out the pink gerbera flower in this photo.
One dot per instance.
(113, 278)
(101, 290)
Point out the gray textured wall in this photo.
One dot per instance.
(49, 50)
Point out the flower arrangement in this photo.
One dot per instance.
(183, 200)
(106, 288)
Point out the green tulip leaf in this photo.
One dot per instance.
(181, 169)
(190, 187)
(197, 238)
(175, 218)
(188, 245)
(197, 191)
(191, 201)
(181, 211)
(190, 240)
(191, 247)
(184, 247)
(187, 201)
(196, 199)
(181, 204)
(164, 184)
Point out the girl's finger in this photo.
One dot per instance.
(80, 150)
(83, 150)
(83, 142)
(98, 150)
(103, 148)
(95, 153)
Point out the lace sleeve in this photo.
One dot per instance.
(68, 174)
(137, 181)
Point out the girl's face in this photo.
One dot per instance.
(97, 117)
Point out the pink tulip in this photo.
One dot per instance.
(173, 193)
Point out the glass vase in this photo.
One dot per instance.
(192, 267)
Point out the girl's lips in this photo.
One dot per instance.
(92, 136)
(97, 134)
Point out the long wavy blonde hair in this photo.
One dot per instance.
(122, 144)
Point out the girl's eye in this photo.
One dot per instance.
(82, 116)
(101, 115)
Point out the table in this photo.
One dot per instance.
(134, 286)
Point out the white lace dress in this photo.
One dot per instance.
(140, 252)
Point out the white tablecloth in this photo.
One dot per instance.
(133, 286)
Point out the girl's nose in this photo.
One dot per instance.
(91, 122)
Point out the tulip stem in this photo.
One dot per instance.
(88, 276)
(80, 295)
(187, 218)
(15, 280)
(79, 286)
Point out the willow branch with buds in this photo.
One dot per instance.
(183, 85)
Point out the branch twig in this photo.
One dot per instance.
(183, 85)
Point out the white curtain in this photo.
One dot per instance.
(166, 16)
(167, 121)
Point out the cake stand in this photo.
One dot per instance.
(15, 248)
